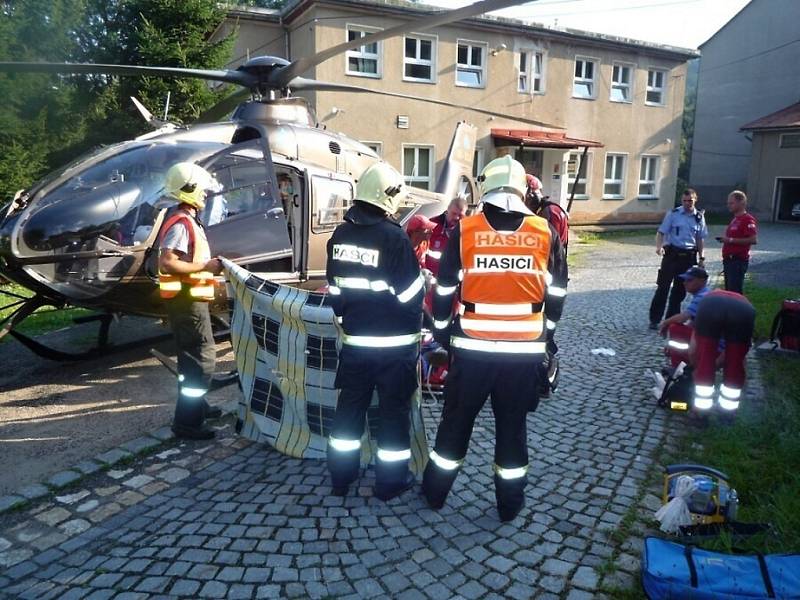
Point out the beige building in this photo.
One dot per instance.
(773, 183)
(556, 93)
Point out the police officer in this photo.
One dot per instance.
(679, 241)
(507, 268)
(377, 289)
(186, 282)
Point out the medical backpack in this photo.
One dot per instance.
(786, 326)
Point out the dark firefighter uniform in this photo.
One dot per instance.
(508, 270)
(720, 316)
(377, 290)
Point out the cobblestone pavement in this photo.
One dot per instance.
(235, 519)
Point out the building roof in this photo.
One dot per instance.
(786, 118)
(294, 8)
(538, 138)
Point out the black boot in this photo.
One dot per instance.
(188, 421)
(193, 433)
(436, 484)
(510, 496)
(211, 412)
(343, 467)
(392, 479)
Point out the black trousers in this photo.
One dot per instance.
(191, 327)
(734, 268)
(674, 263)
(471, 381)
(393, 372)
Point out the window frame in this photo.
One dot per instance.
(484, 46)
(586, 180)
(432, 63)
(662, 89)
(655, 182)
(374, 145)
(478, 161)
(359, 54)
(629, 86)
(431, 178)
(318, 226)
(781, 145)
(575, 79)
(530, 76)
(621, 182)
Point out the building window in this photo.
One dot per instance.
(419, 59)
(790, 140)
(376, 147)
(477, 162)
(655, 87)
(418, 166)
(531, 72)
(582, 185)
(583, 86)
(621, 83)
(614, 180)
(471, 64)
(364, 61)
(648, 177)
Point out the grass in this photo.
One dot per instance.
(43, 320)
(767, 302)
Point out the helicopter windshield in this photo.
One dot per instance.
(105, 207)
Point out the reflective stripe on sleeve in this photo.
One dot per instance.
(444, 463)
(334, 290)
(170, 286)
(434, 254)
(513, 473)
(393, 455)
(441, 324)
(505, 326)
(344, 445)
(389, 341)
(493, 346)
(442, 290)
(551, 325)
(411, 290)
(556, 291)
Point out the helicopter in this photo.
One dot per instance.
(87, 234)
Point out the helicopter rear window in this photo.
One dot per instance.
(242, 186)
(331, 199)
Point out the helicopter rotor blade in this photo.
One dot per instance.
(302, 84)
(227, 76)
(224, 107)
(280, 77)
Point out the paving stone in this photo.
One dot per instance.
(140, 445)
(112, 457)
(87, 467)
(137, 481)
(185, 587)
(214, 589)
(32, 492)
(554, 566)
(163, 434)
(54, 516)
(174, 474)
(74, 527)
(585, 578)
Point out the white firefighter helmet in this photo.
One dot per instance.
(503, 184)
(187, 183)
(382, 186)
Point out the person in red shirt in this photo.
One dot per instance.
(419, 230)
(550, 211)
(739, 236)
(446, 223)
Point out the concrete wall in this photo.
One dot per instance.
(630, 128)
(770, 162)
(748, 70)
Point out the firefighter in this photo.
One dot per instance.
(186, 282)
(679, 241)
(507, 267)
(727, 316)
(446, 223)
(377, 291)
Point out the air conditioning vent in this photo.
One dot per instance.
(335, 148)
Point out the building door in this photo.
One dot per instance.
(787, 199)
(532, 159)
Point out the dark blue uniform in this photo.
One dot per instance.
(377, 293)
(682, 232)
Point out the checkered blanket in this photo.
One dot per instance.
(285, 345)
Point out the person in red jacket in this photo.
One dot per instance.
(550, 211)
(446, 223)
(742, 232)
(419, 230)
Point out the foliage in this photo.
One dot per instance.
(43, 320)
(687, 128)
(46, 120)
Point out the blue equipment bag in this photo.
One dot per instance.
(674, 571)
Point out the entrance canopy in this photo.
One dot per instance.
(538, 138)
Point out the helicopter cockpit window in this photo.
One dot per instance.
(242, 186)
(331, 199)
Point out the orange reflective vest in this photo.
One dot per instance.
(505, 279)
(199, 285)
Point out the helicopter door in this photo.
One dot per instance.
(244, 218)
(330, 200)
